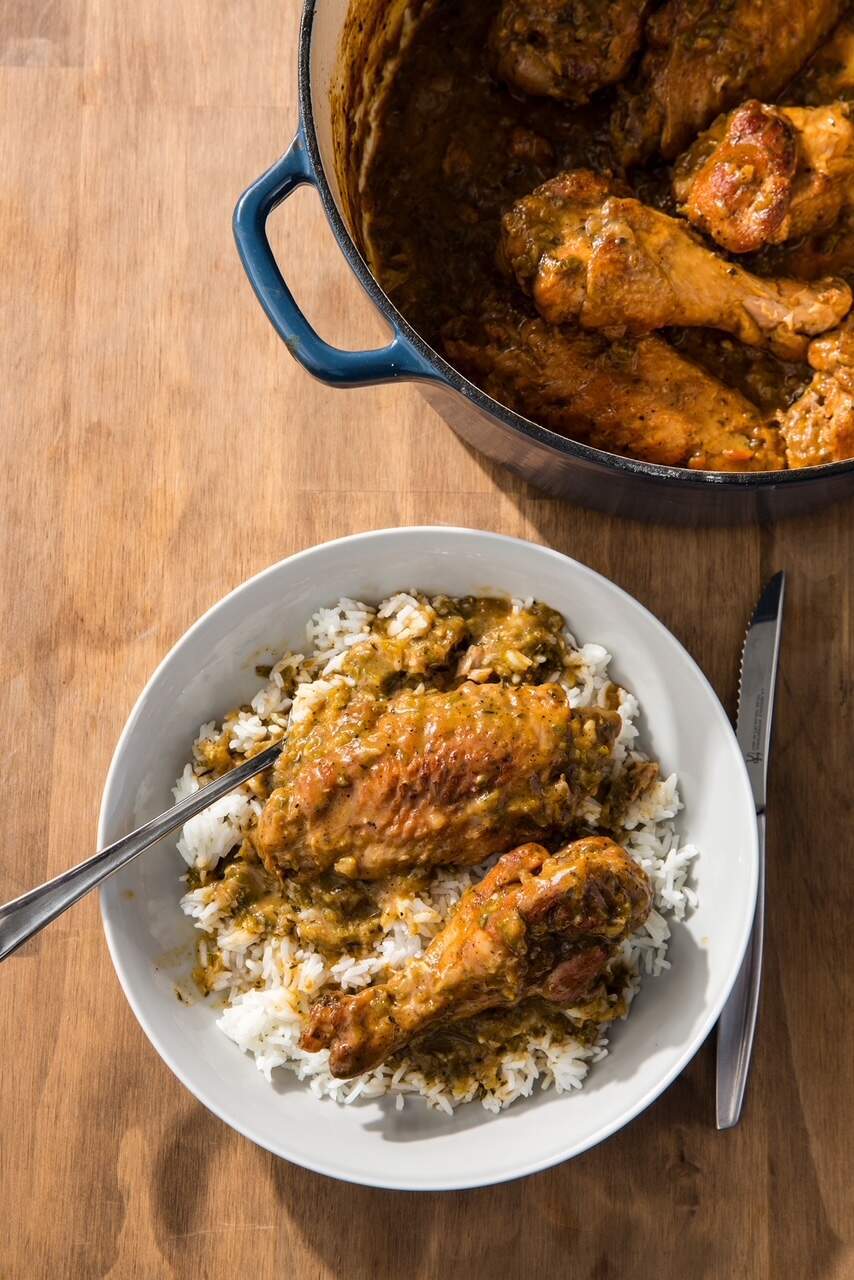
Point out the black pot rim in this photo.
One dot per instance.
(681, 476)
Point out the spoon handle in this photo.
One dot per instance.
(29, 914)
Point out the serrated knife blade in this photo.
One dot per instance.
(759, 663)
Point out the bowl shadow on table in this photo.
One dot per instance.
(183, 1163)
(685, 1192)
(687, 1195)
(668, 1188)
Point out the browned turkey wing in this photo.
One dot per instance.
(639, 398)
(703, 57)
(429, 778)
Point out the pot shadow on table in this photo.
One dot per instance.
(644, 511)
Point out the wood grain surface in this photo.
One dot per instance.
(159, 445)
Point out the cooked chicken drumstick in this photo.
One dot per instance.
(566, 49)
(705, 56)
(378, 787)
(613, 263)
(534, 926)
(819, 426)
(638, 398)
(764, 175)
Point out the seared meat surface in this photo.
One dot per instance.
(536, 925)
(703, 57)
(763, 175)
(612, 263)
(565, 49)
(819, 426)
(638, 398)
(380, 786)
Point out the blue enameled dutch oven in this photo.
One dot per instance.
(343, 46)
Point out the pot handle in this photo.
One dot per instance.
(396, 362)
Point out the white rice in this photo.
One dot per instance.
(270, 982)
(217, 830)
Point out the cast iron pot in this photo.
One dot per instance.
(551, 462)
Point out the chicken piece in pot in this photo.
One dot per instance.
(763, 175)
(379, 787)
(819, 426)
(536, 925)
(705, 56)
(827, 253)
(638, 398)
(565, 49)
(829, 74)
(613, 263)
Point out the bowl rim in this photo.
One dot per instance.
(700, 481)
(114, 936)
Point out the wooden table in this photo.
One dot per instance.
(159, 445)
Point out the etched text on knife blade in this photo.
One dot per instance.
(755, 755)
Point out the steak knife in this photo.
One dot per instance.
(759, 661)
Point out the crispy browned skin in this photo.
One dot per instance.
(819, 426)
(535, 925)
(763, 175)
(430, 778)
(703, 57)
(616, 264)
(565, 49)
(638, 398)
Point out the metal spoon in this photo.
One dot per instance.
(29, 914)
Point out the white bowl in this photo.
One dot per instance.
(212, 668)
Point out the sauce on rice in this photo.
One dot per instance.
(271, 942)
